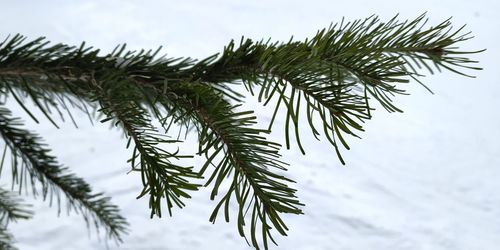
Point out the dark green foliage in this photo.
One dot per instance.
(32, 163)
(121, 104)
(331, 77)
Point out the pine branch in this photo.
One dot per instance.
(334, 76)
(239, 152)
(120, 101)
(32, 163)
(340, 69)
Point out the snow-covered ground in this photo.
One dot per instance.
(424, 179)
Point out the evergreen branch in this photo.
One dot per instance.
(334, 76)
(31, 162)
(120, 101)
(340, 69)
(255, 183)
(239, 152)
(11, 208)
(229, 143)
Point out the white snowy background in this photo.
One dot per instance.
(428, 178)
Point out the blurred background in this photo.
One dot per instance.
(427, 178)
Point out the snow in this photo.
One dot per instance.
(423, 179)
